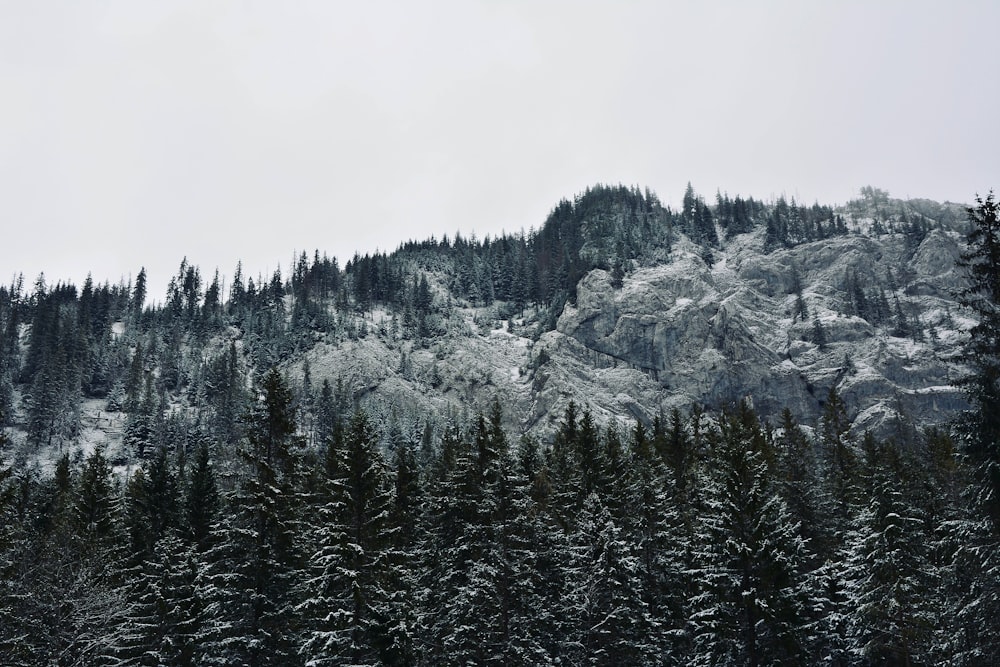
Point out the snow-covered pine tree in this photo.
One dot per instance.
(368, 502)
(349, 616)
(201, 499)
(466, 627)
(12, 536)
(249, 586)
(753, 599)
(889, 613)
(981, 427)
(165, 612)
(653, 528)
(327, 598)
(604, 601)
(979, 436)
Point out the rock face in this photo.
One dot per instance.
(870, 313)
(683, 332)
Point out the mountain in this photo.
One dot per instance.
(617, 303)
(729, 434)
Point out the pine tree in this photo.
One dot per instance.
(201, 499)
(654, 530)
(982, 295)
(325, 610)
(818, 333)
(249, 588)
(138, 301)
(367, 509)
(350, 618)
(397, 640)
(799, 482)
(839, 460)
(165, 611)
(566, 469)
(94, 511)
(12, 644)
(605, 593)
(80, 599)
(976, 566)
(752, 605)
(464, 543)
(151, 504)
(889, 616)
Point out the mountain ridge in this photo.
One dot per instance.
(617, 303)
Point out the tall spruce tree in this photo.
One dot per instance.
(326, 609)
(10, 527)
(249, 590)
(348, 613)
(889, 613)
(753, 600)
(979, 431)
(982, 352)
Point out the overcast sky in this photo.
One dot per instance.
(136, 133)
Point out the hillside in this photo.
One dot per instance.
(612, 304)
(731, 434)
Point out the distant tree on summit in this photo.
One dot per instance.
(139, 293)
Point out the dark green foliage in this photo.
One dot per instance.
(686, 543)
(151, 504)
(788, 224)
(982, 296)
(201, 500)
(976, 566)
(753, 600)
(249, 590)
(818, 334)
(839, 459)
(890, 613)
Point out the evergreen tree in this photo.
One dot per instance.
(249, 589)
(94, 511)
(367, 518)
(751, 608)
(979, 431)
(201, 500)
(605, 586)
(818, 333)
(12, 644)
(799, 482)
(890, 619)
(982, 295)
(327, 608)
(139, 294)
(151, 504)
(165, 613)
(654, 532)
(839, 460)
(351, 620)
(80, 607)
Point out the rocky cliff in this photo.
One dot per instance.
(867, 310)
(684, 331)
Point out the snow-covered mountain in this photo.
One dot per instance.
(682, 332)
(325, 468)
(868, 312)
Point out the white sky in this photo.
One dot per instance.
(137, 133)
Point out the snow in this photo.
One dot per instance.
(936, 389)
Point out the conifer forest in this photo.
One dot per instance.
(186, 479)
